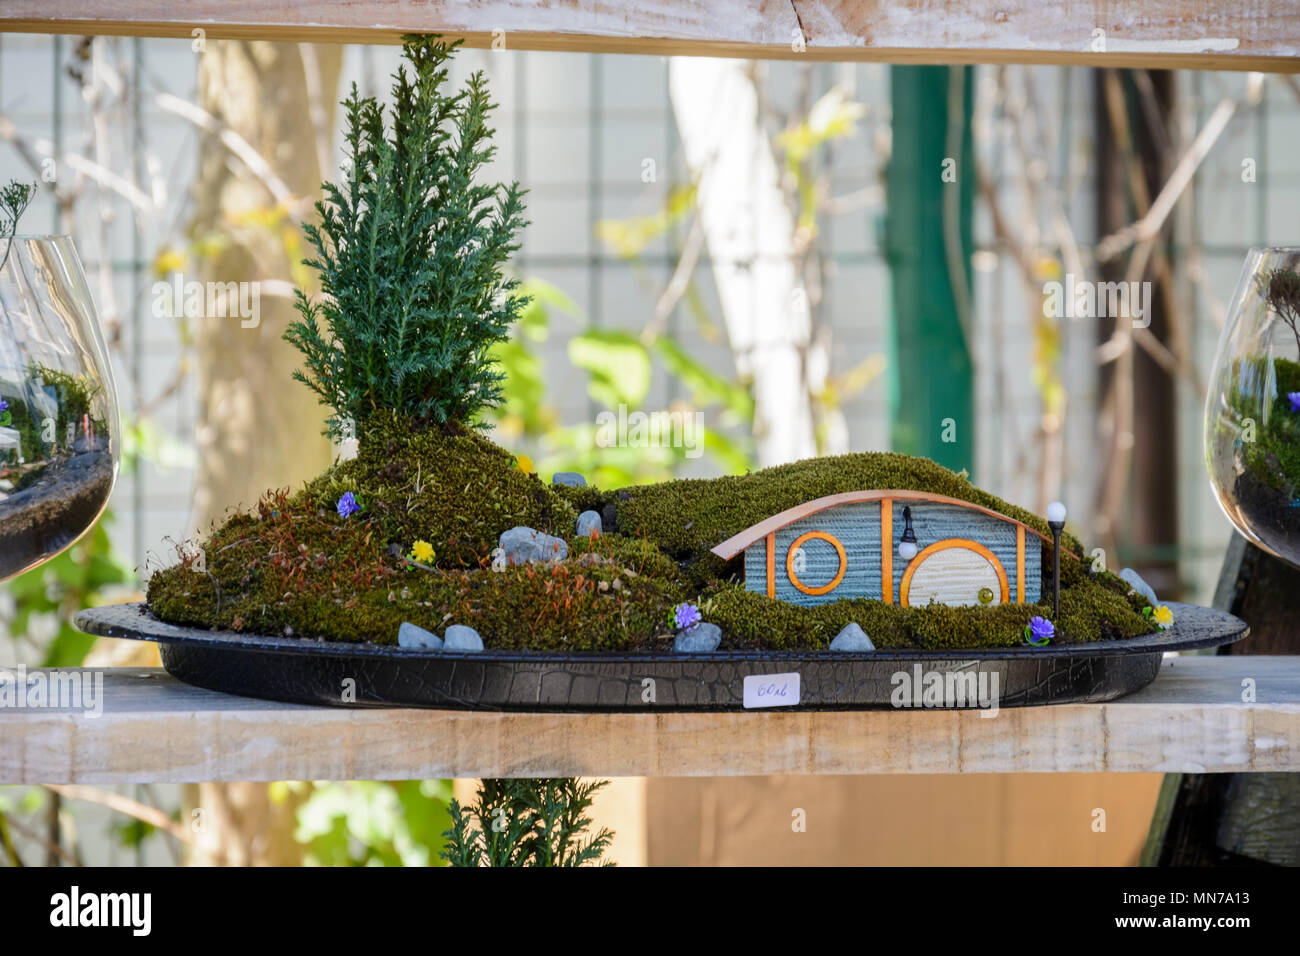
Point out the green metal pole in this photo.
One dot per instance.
(930, 372)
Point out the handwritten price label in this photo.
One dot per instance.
(771, 690)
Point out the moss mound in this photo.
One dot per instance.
(450, 487)
(296, 566)
(313, 574)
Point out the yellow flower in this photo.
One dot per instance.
(168, 261)
(525, 464)
(422, 551)
(1164, 617)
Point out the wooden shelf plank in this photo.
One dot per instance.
(156, 729)
(1193, 34)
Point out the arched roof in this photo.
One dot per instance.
(739, 542)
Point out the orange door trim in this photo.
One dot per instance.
(944, 545)
(887, 550)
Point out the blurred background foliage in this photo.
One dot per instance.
(371, 823)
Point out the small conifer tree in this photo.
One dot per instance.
(410, 251)
(527, 823)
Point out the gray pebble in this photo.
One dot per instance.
(588, 524)
(571, 478)
(852, 638)
(1141, 587)
(700, 639)
(461, 637)
(521, 545)
(409, 635)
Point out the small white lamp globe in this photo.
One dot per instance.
(1056, 513)
(906, 550)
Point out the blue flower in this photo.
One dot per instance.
(1295, 400)
(3, 405)
(1039, 631)
(348, 505)
(686, 616)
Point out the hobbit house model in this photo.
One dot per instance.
(902, 547)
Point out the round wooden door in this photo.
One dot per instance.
(956, 572)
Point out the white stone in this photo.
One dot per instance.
(700, 639)
(522, 545)
(410, 635)
(588, 524)
(852, 638)
(461, 637)
(1135, 581)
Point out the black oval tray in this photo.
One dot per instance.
(299, 670)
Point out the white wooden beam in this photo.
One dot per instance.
(1196, 34)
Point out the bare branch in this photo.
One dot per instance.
(236, 144)
(1151, 222)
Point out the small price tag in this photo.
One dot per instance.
(771, 690)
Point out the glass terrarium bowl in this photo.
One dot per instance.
(1252, 408)
(59, 430)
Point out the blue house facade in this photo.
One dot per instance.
(901, 547)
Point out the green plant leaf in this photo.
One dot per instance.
(734, 455)
(707, 387)
(617, 364)
(534, 320)
(69, 648)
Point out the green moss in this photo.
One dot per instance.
(314, 576)
(584, 497)
(294, 566)
(1090, 611)
(74, 394)
(451, 487)
(687, 518)
(1274, 457)
(637, 554)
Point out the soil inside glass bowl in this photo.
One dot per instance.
(45, 514)
(1272, 513)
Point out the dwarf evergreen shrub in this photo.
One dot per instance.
(410, 251)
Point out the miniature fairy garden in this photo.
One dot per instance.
(56, 464)
(432, 536)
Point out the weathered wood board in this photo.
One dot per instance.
(156, 729)
(1193, 34)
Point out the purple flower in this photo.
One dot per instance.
(348, 505)
(4, 406)
(1039, 631)
(1295, 400)
(686, 616)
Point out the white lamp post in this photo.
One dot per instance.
(1056, 521)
